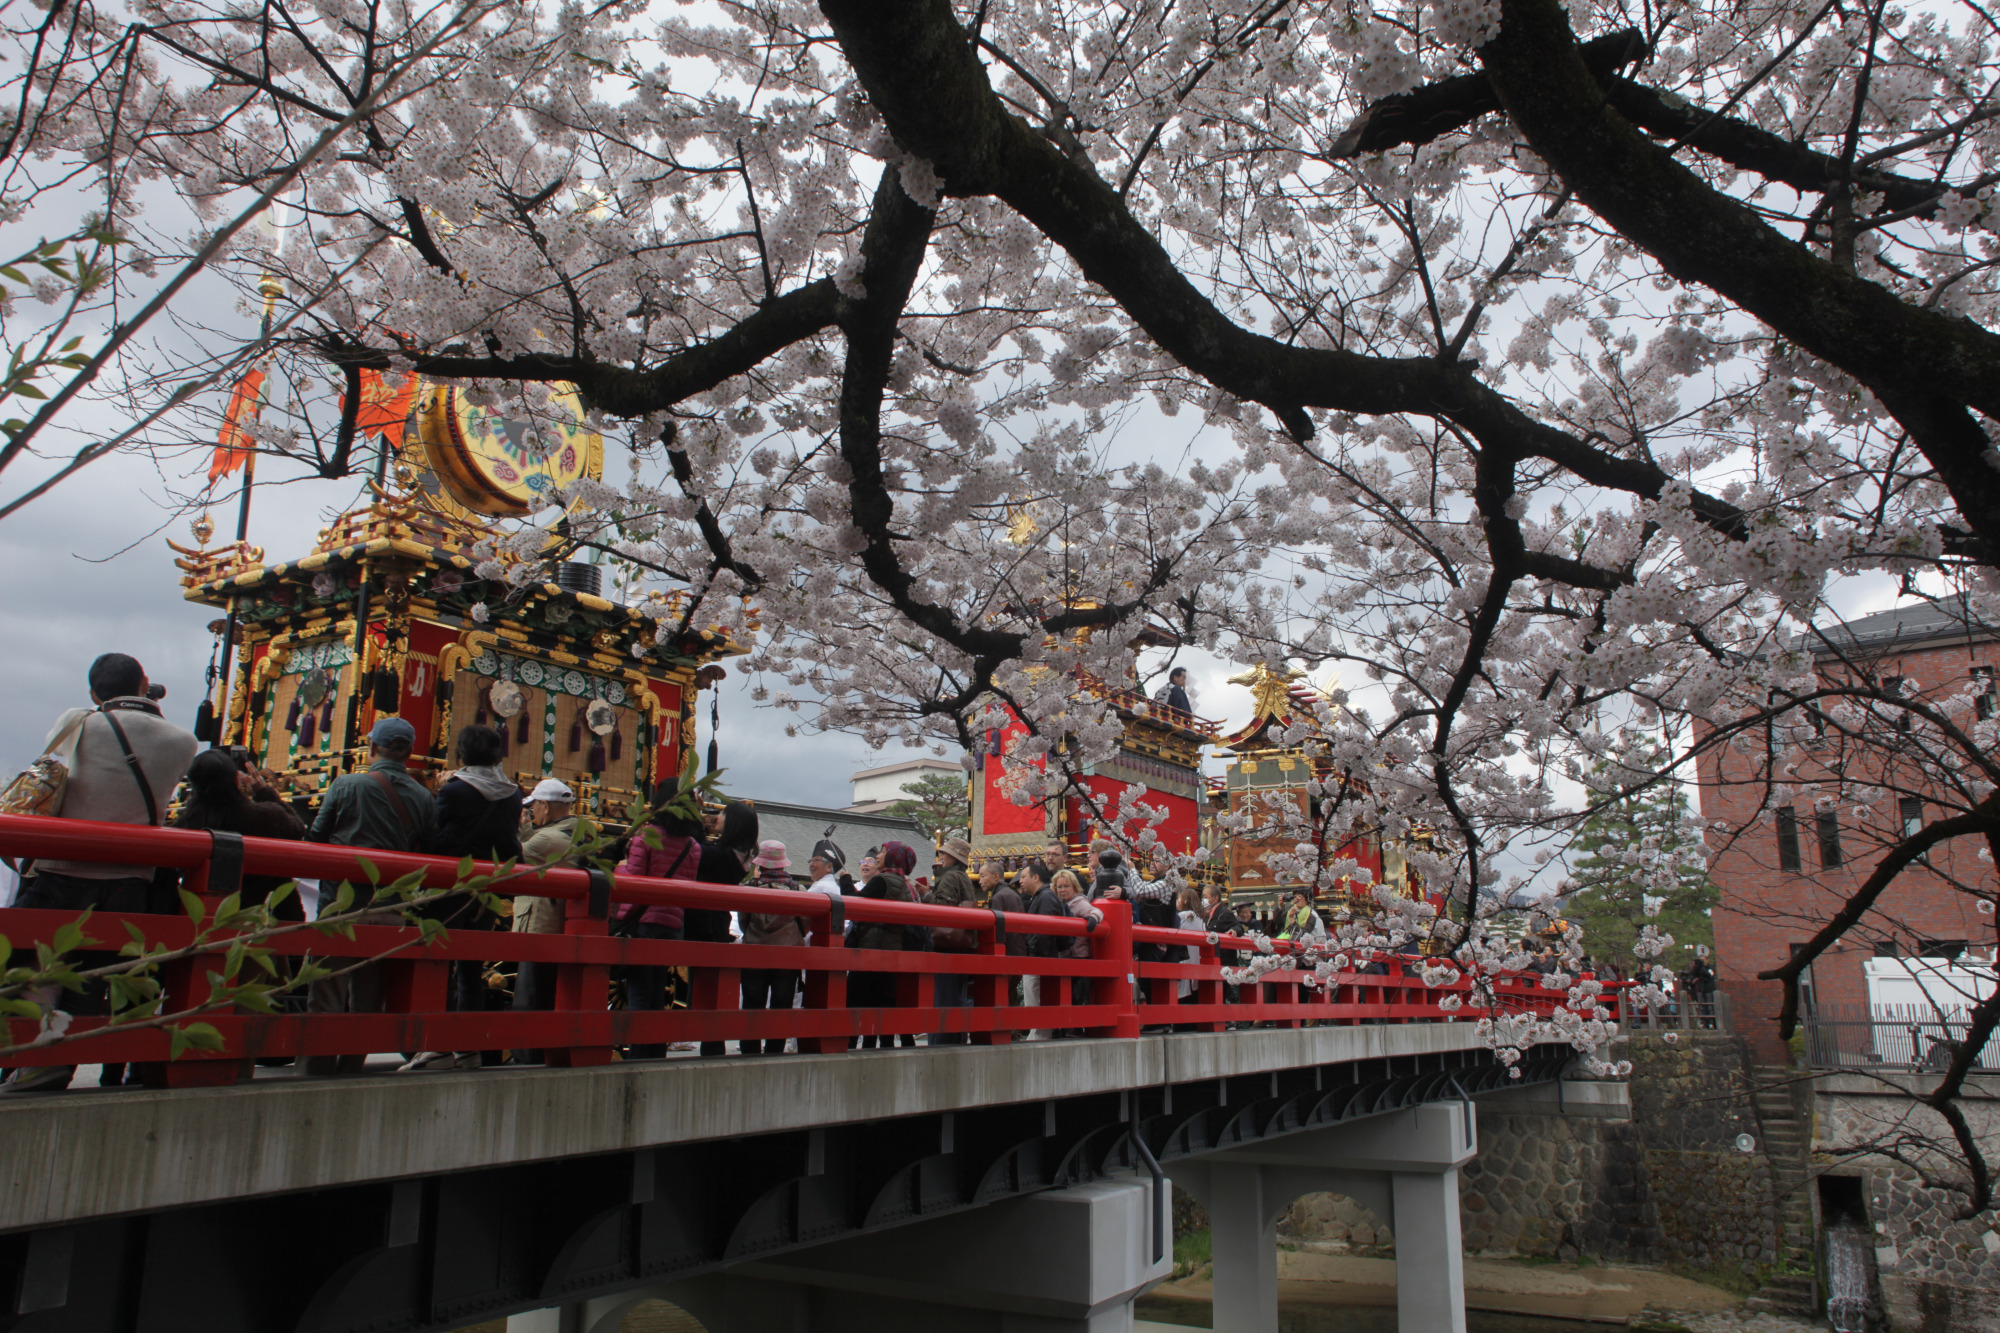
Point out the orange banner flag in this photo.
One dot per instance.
(232, 448)
(385, 407)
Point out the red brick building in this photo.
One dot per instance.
(1795, 845)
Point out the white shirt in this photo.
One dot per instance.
(827, 885)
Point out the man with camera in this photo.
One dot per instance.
(124, 760)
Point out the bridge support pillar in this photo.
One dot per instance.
(1430, 1264)
(1067, 1261)
(1402, 1166)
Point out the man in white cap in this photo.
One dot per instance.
(552, 809)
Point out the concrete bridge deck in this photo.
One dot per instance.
(69, 1157)
(752, 1186)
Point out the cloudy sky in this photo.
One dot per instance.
(89, 571)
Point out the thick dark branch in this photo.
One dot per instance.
(891, 257)
(634, 391)
(924, 78)
(1437, 109)
(336, 464)
(1744, 145)
(1575, 573)
(1920, 357)
(1979, 1195)
(1981, 819)
(722, 554)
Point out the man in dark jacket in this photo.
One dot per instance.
(1222, 920)
(1042, 901)
(1002, 897)
(725, 859)
(383, 809)
(478, 814)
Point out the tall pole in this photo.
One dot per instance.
(269, 288)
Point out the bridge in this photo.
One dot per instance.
(760, 1193)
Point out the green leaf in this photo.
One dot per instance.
(368, 869)
(205, 1037)
(73, 344)
(12, 274)
(29, 391)
(69, 936)
(254, 999)
(192, 906)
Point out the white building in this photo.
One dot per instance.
(877, 789)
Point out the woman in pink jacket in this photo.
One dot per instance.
(667, 848)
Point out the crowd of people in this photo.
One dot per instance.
(126, 764)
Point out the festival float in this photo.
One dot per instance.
(1261, 771)
(1158, 762)
(387, 616)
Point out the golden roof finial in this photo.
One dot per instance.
(1270, 691)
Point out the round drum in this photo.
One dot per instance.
(506, 466)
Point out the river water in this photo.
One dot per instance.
(1318, 1318)
(659, 1317)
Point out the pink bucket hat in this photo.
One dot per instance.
(771, 855)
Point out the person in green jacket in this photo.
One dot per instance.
(954, 888)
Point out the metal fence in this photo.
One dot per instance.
(1909, 1037)
(1681, 1013)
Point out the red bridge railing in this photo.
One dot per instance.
(1124, 996)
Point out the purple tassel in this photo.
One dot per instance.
(480, 717)
(503, 742)
(326, 716)
(306, 732)
(292, 718)
(617, 745)
(575, 737)
(597, 757)
(523, 737)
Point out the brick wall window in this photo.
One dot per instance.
(1788, 839)
(1828, 828)
(1911, 808)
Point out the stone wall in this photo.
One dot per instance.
(1717, 1206)
(1338, 1220)
(1559, 1186)
(1936, 1274)
(1664, 1184)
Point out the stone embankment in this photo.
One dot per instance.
(1660, 1180)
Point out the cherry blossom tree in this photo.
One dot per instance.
(1552, 364)
(118, 127)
